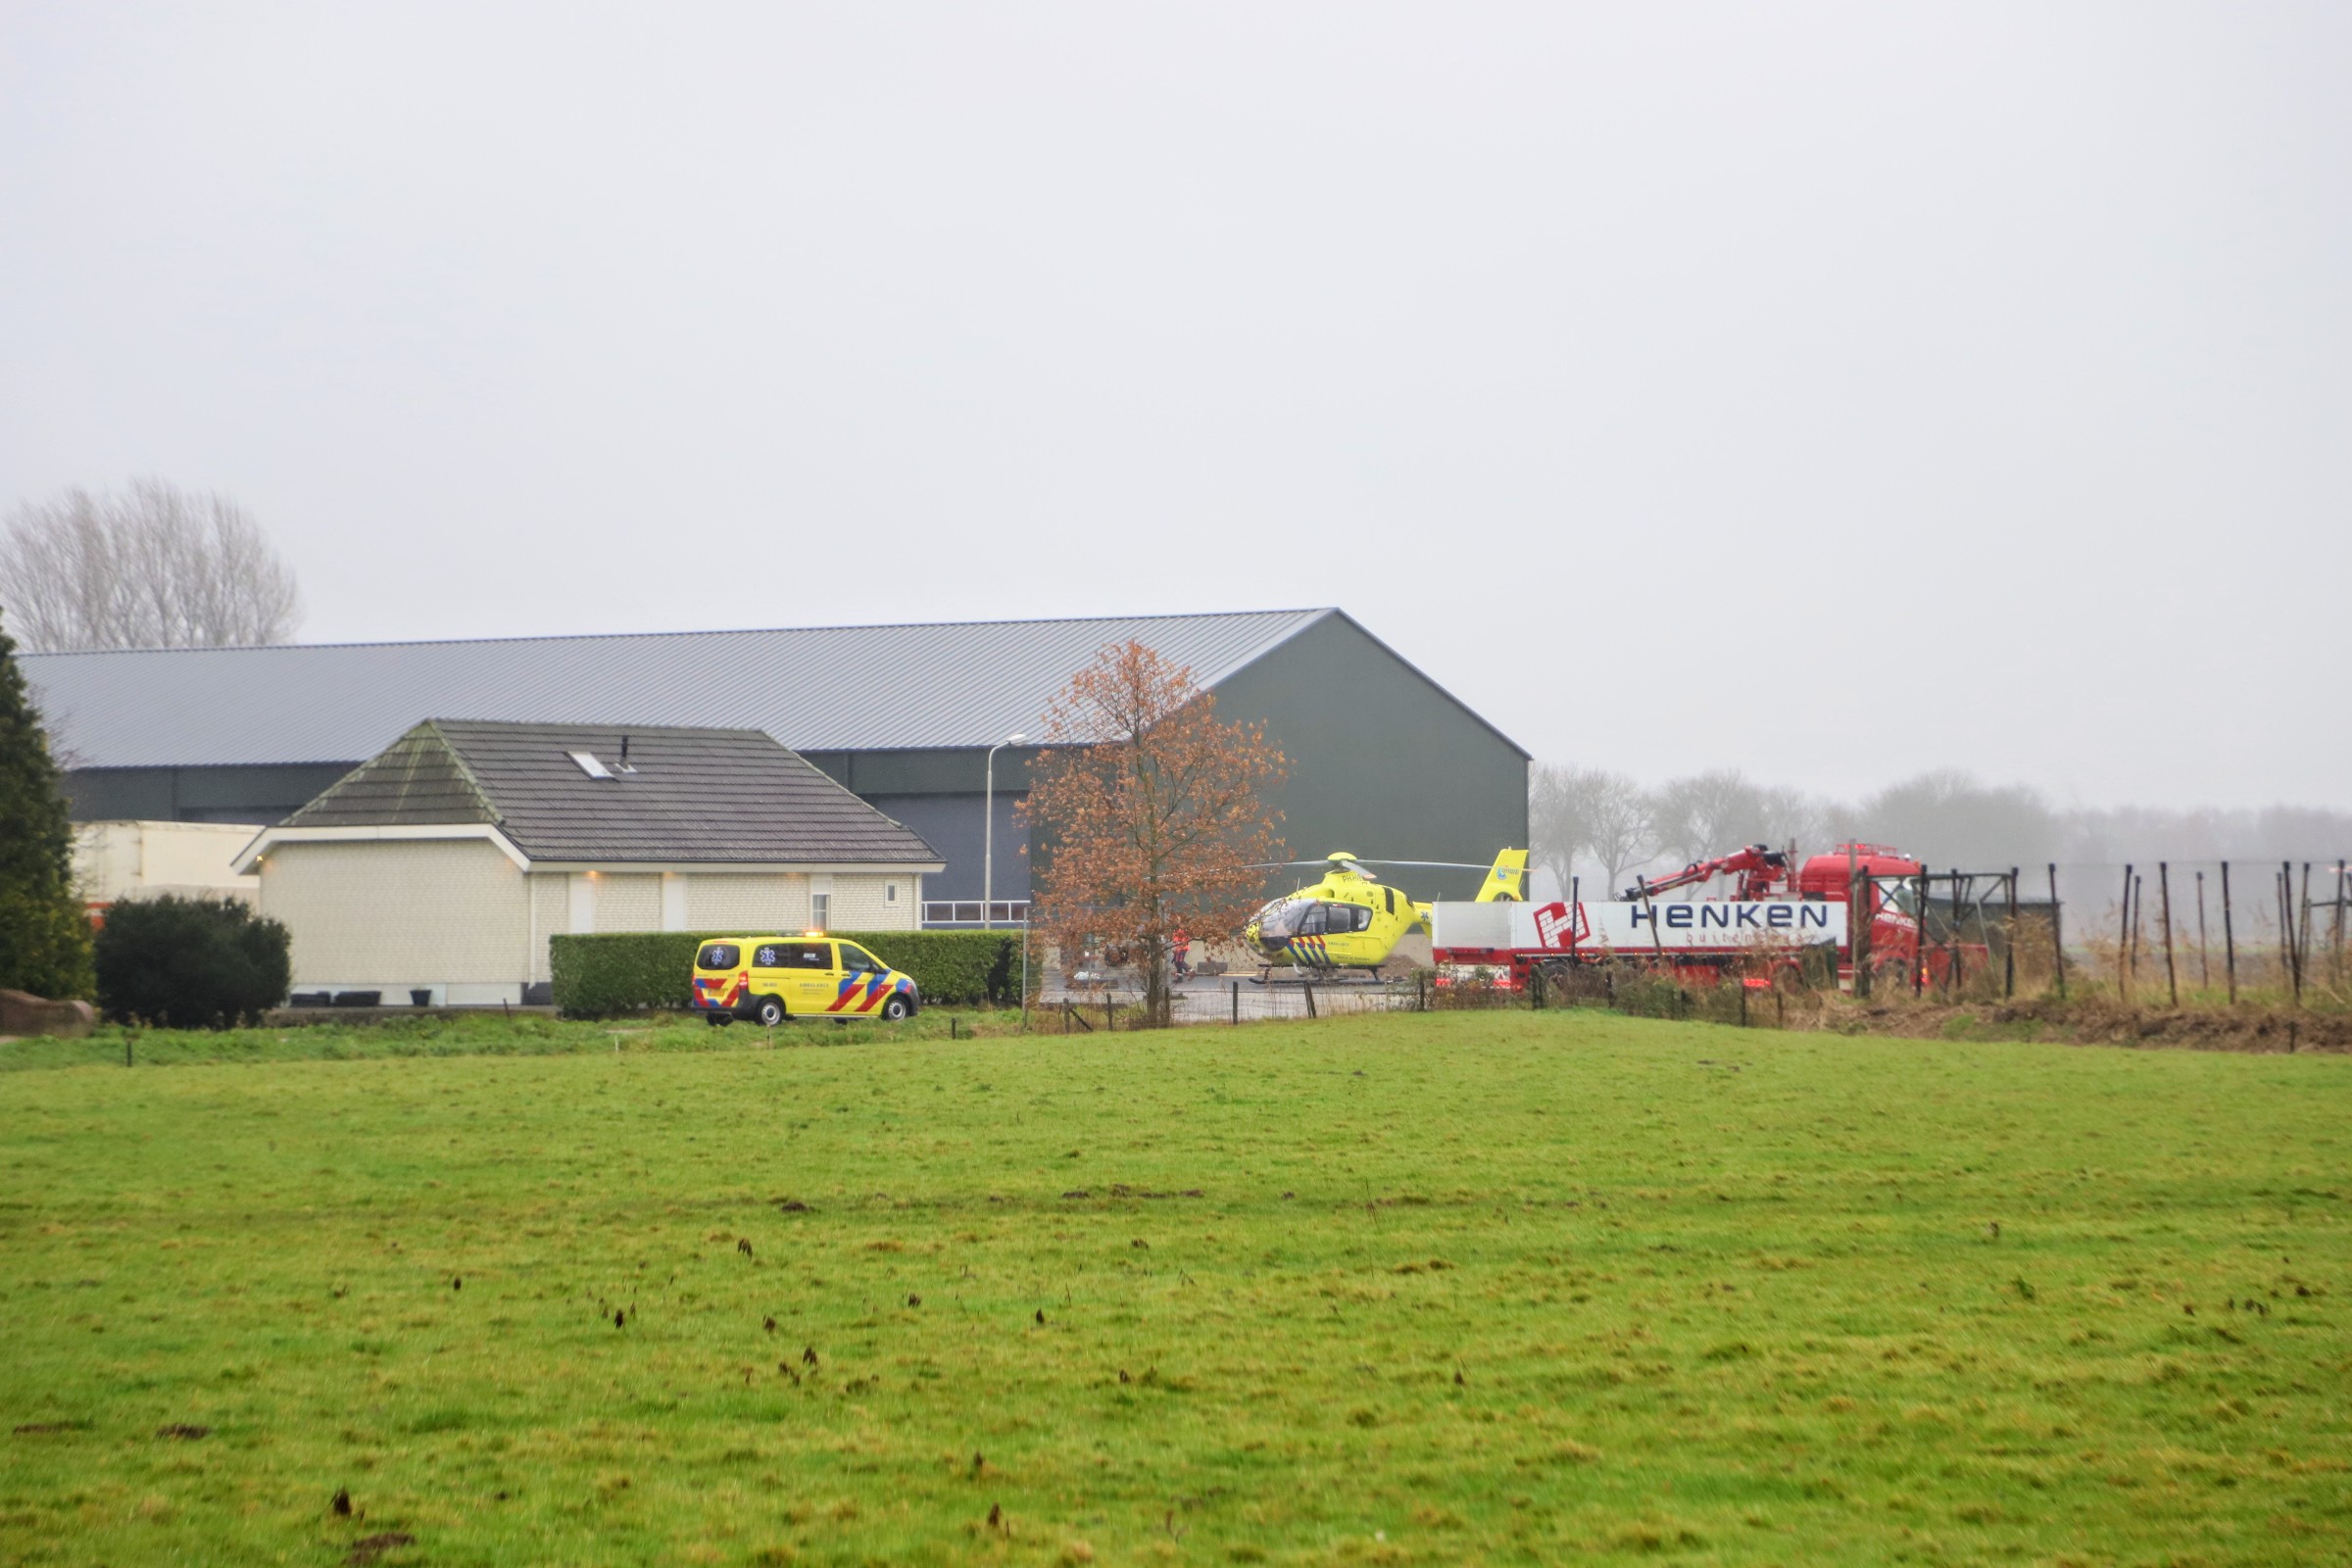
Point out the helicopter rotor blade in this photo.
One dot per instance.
(1440, 865)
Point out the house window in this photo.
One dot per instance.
(890, 893)
(820, 910)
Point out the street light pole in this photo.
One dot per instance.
(988, 835)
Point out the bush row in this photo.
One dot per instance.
(624, 971)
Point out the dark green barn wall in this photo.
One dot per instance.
(1383, 762)
(259, 793)
(941, 794)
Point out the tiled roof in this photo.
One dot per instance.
(690, 795)
(822, 689)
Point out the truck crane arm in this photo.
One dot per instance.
(1759, 867)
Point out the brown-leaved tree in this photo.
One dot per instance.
(1151, 813)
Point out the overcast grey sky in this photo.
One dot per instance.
(1828, 391)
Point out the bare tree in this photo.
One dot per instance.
(156, 566)
(1706, 813)
(1951, 818)
(1598, 820)
(1715, 813)
(1623, 836)
(1592, 815)
(1556, 826)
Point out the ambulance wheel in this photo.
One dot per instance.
(896, 1008)
(715, 1019)
(721, 1019)
(770, 1012)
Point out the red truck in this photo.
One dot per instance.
(1768, 925)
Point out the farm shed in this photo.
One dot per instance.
(444, 864)
(1384, 762)
(115, 862)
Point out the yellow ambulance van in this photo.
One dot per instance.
(770, 979)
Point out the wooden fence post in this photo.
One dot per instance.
(2009, 940)
(2337, 944)
(1919, 938)
(1858, 892)
(1951, 944)
(2286, 927)
(2123, 941)
(2302, 931)
(2057, 935)
(2164, 892)
(2204, 961)
(2229, 937)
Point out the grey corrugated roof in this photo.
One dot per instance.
(695, 795)
(818, 689)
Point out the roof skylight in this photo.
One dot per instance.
(589, 764)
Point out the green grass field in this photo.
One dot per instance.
(1505, 1288)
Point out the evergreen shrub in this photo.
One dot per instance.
(190, 964)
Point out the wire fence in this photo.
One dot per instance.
(2178, 934)
(1622, 988)
(2153, 933)
(1095, 1009)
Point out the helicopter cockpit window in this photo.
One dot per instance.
(1339, 919)
(1280, 920)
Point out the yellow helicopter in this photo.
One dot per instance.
(1351, 919)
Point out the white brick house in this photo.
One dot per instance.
(439, 869)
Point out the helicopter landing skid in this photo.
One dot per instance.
(1319, 977)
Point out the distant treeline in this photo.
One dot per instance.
(1603, 826)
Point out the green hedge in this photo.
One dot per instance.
(624, 971)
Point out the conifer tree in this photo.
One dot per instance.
(44, 934)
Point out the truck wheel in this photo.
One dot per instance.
(894, 1008)
(770, 1011)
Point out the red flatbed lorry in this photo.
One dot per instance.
(1768, 927)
